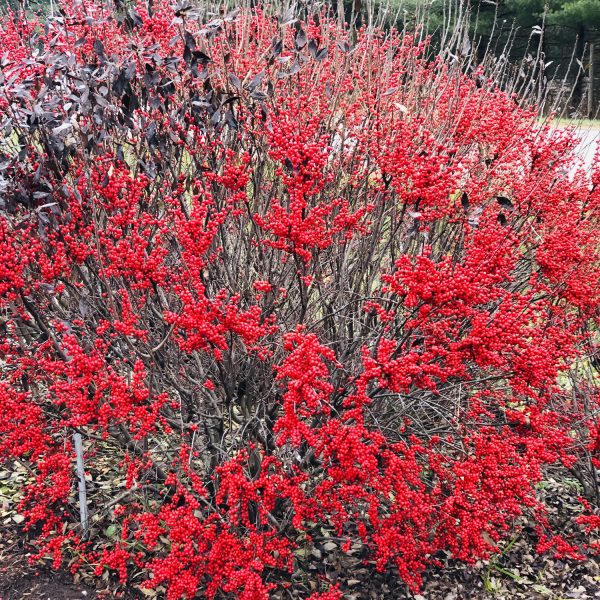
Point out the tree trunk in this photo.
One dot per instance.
(579, 88)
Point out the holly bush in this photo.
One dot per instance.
(294, 288)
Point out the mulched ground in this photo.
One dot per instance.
(517, 573)
(516, 576)
(20, 580)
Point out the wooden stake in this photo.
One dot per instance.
(590, 107)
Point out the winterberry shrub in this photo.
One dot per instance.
(291, 287)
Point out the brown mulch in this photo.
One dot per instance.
(20, 580)
(516, 573)
(519, 575)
